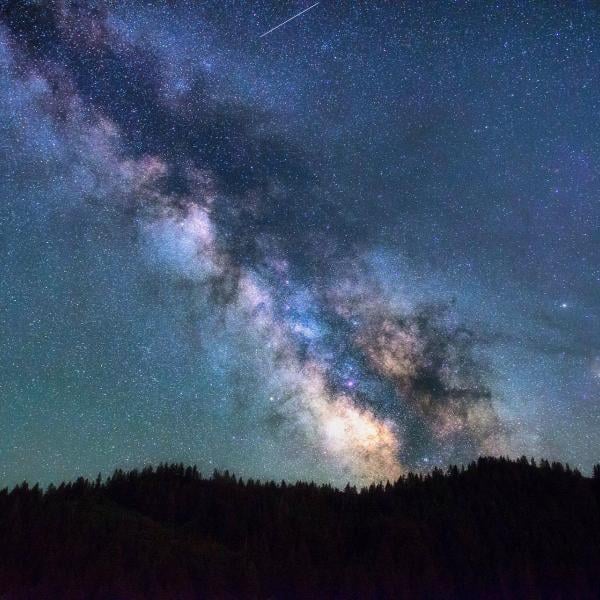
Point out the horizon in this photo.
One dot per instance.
(102, 478)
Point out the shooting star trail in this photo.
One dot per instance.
(290, 19)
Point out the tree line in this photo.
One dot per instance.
(496, 528)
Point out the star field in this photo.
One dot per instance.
(365, 243)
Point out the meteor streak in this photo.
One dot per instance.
(290, 19)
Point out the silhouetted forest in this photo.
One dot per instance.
(494, 529)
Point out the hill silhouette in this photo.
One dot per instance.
(494, 529)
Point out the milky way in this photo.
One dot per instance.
(339, 253)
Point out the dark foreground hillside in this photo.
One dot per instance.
(497, 529)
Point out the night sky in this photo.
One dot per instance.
(364, 243)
